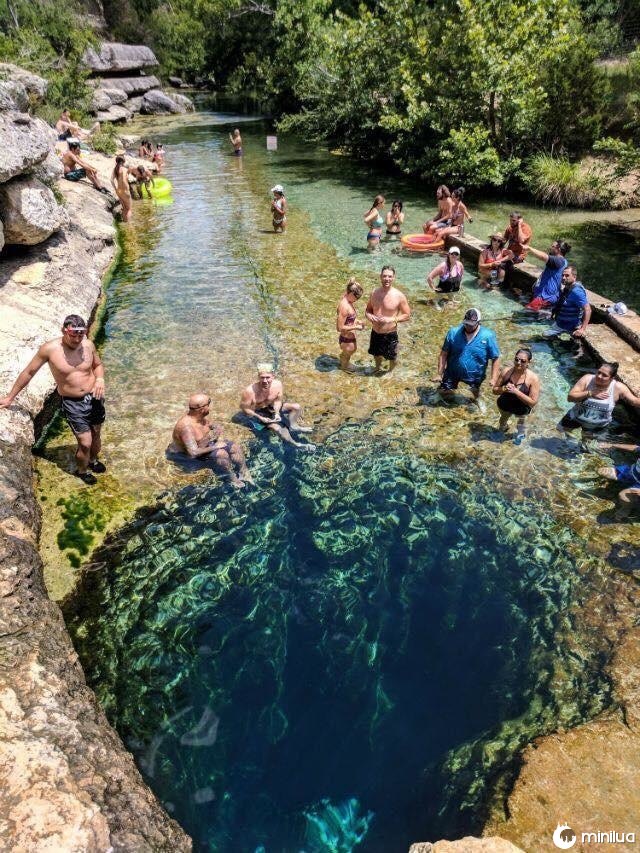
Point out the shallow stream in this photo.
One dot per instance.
(349, 655)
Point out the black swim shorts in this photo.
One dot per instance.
(83, 412)
(384, 345)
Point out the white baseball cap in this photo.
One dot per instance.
(277, 189)
(454, 250)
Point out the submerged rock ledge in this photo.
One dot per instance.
(66, 780)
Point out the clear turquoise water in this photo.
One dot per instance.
(349, 656)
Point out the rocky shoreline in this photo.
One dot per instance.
(67, 781)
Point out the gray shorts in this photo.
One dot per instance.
(82, 413)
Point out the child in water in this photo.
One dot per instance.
(236, 140)
(279, 209)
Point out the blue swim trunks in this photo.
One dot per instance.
(626, 474)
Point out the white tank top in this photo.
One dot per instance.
(593, 413)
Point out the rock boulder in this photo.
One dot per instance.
(182, 100)
(24, 142)
(1, 236)
(157, 102)
(134, 104)
(131, 85)
(50, 170)
(35, 86)
(113, 56)
(115, 95)
(13, 96)
(100, 100)
(176, 81)
(469, 844)
(30, 212)
(115, 113)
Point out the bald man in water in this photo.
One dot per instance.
(195, 437)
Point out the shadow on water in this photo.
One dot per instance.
(345, 657)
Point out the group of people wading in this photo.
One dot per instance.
(466, 353)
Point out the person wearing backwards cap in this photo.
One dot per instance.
(79, 377)
(279, 209)
(465, 355)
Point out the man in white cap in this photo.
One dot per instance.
(279, 209)
(465, 355)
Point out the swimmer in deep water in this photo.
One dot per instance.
(236, 140)
(195, 438)
(347, 323)
(374, 221)
(279, 209)
(262, 402)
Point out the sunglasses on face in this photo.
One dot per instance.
(521, 360)
(75, 330)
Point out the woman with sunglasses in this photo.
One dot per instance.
(347, 323)
(491, 265)
(518, 390)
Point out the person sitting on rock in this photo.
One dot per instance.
(195, 439)
(66, 128)
(263, 404)
(76, 168)
(546, 291)
(572, 312)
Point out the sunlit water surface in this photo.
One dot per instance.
(350, 655)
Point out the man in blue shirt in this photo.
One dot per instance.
(465, 355)
(572, 311)
(546, 290)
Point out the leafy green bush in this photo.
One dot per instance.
(556, 180)
(468, 157)
(105, 140)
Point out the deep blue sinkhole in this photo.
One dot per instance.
(319, 665)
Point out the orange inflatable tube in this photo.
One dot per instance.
(422, 242)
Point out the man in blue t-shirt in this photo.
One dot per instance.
(546, 291)
(572, 311)
(465, 354)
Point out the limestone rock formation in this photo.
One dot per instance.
(157, 102)
(1, 236)
(13, 96)
(183, 101)
(469, 844)
(35, 86)
(50, 169)
(24, 142)
(115, 113)
(113, 56)
(100, 100)
(115, 95)
(30, 212)
(134, 104)
(131, 85)
(176, 81)
(66, 780)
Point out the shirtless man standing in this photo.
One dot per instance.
(386, 308)
(79, 377)
(196, 437)
(262, 403)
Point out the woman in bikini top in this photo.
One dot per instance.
(347, 322)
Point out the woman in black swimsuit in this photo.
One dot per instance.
(347, 323)
(395, 218)
(518, 389)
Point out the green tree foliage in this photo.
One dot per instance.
(49, 38)
(469, 87)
